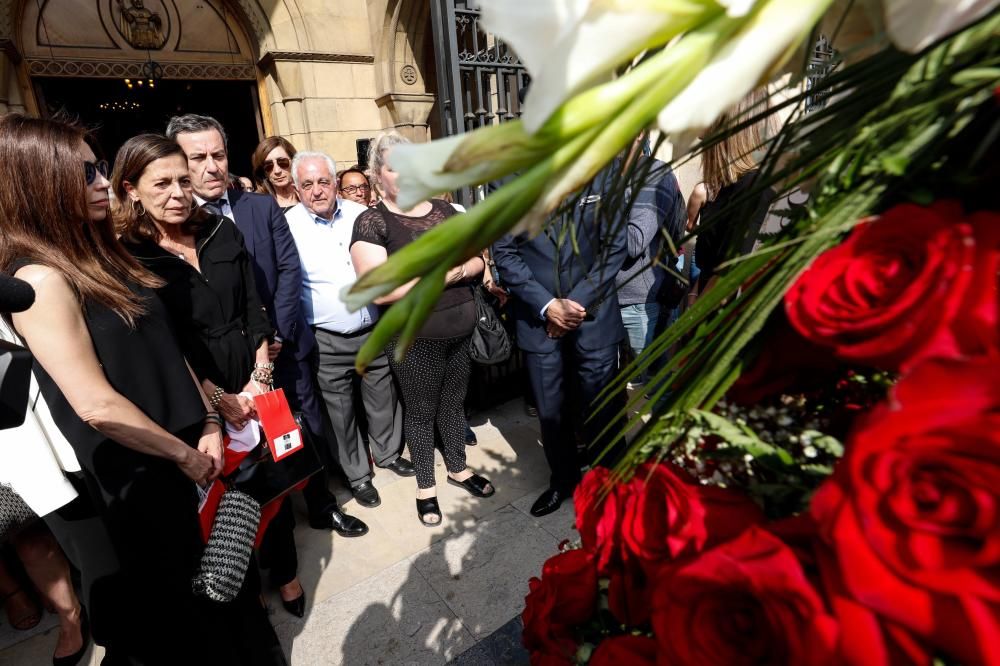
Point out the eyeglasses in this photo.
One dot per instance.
(91, 169)
(354, 189)
(282, 162)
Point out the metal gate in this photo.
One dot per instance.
(479, 76)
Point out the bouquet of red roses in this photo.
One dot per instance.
(896, 558)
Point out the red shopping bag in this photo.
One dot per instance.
(280, 429)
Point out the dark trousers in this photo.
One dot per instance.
(336, 377)
(433, 376)
(587, 371)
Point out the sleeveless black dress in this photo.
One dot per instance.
(139, 589)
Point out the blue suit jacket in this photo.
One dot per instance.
(277, 269)
(536, 270)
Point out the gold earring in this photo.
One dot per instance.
(141, 212)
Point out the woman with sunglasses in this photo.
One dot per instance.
(272, 170)
(120, 391)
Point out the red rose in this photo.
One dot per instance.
(629, 594)
(785, 362)
(598, 517)
(565, 595)
(893, 292)
(547, 642)
(625, 651)
(747, 601)
(912, 513)
(668, 514)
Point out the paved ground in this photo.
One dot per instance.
(405, 593)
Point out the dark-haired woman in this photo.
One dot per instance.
(119, 390)
(272, 170)
(208, 289)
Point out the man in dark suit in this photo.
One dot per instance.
(278, 276)
(569, 325)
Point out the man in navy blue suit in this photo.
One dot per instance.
(278, 276)
(569, 325)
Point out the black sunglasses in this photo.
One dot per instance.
(91, 169)
(282, 162)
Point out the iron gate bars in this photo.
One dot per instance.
(479, 76)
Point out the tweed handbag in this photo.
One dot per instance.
(227, 554)
(15, 514)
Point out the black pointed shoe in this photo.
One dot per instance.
(548, 502)
(296, 606)
(401, 467)
(74, 659)
(366, 495)
(339, 522)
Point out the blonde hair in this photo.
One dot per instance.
(376, 154)
(723, 162)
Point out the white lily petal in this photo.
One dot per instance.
(737, 8)
(568, 50)
(913, 25)
(421, 169)
(741, 64)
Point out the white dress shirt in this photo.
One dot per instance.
(325, 254)
(223, 202)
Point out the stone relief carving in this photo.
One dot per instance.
(141, 27)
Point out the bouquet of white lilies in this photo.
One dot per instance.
(602, 71)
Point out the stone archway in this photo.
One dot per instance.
(406, 76)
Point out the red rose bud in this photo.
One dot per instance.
(912, 513)
(744, 602)
(548, 642)
(668, 514)
(598, 517)
(913, 283)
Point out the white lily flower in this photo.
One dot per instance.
(913, 25)
(745, 61)
(567, 45)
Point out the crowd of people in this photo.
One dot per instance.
(170, 294)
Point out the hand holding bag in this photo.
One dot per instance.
(489, 344)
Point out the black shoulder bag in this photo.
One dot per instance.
(489, 344)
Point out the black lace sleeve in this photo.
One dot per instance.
(371, 228)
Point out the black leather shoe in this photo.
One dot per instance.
(339, 522)
(548, 502)
(366, 495)
(296, 606)
(470, 437)
(402, 467)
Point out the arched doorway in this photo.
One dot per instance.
(124, 67)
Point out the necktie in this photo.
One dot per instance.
(213, 207)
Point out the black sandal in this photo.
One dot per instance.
(475, 485)
(429, 507)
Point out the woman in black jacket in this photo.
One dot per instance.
(210, 294)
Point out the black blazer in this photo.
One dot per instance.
(216, 313)
(277, 269)
(536, 270)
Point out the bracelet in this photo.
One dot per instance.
(213, 417)
(216, 397)
(264, 366)
(261, 375)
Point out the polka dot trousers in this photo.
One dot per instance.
(434, 377)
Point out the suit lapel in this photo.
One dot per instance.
(243, 214)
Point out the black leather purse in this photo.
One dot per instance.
(489, 344)
(265, 479)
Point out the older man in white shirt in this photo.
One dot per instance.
(322, 225)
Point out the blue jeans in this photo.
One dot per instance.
(641, 327)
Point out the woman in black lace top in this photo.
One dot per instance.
(435, 372)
